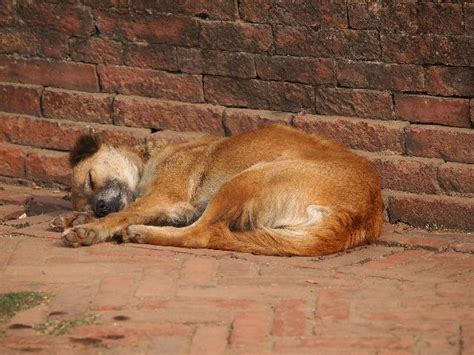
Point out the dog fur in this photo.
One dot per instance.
(272, 191)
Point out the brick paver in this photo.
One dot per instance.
(410, 293)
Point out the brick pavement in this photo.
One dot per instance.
(410, 293)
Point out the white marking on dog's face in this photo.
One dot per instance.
(94, 173)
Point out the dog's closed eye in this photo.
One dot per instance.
(90, 181)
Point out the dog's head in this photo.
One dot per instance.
(104, 178)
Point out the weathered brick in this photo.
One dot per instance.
(472, 111)
(258, 94)
(428, 109)
(12, 160)
(141, 112)
(451, 144)
(104, 4)
(354, 102)
(9, 212)
(362, 134)
(75, 76)
(455, 177)
(48, 166)
(304, 41)
(417, 175)
(375, 75)
(77, 106)
(241, 120)
(383, 15)
(13, 40)
(154, 56)
(198, 272)
(96, 50)
(450, 81)
(334, 304)
(37, 132)
(249, 328)
(159, 28)
(469, 17)
(151, 83)
(221, 10)
(427, 48)
(117, 135)
(422, 210)
(211, 339)
(20, 98)
(440, 17)
(234, 64)
(7, 13)
(307, 13)
(74, 20)
(303, 70)
(236, 36)
(290, 318)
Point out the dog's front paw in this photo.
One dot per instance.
(86, 234)
(134, 234)
(63, 222)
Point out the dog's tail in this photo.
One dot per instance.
(337, 231)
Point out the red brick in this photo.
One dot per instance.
(241, 120)
(77, 106)
(450, 81)
(258, 94)
(304, 41)
(469, 17)
(121, 135)
(20, 99)
(33, 43)
(472, 111)
(198, 61)
(250, 329)
(149, 287)
(167, 136)
(153, 83)
(428, 109)
(290, 318)
(7, 13)
(222, 10)
(74, 20)
(383, 15)
(357, 133)
(354, 102)
(48, 166)
(334, 304)
(423, 210)
(159, 28)
(372, 75)
(198, 272)
(141, 112)
(417, 175)
(37, 132)
(236, 36)
(451, 144)
(426, 48)
(104, 4)
(307, 13)
(440, 18)
(96, 50)
(455, 177)
(75, 76)
(8, 212)
(153, 56)
(303, 70)
(209, 339)
(12, 160)
(114, 292)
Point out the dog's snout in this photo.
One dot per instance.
(101, 208)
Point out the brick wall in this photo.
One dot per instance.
(394, 82)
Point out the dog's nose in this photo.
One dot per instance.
(101, 208)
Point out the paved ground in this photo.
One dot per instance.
(411, 293)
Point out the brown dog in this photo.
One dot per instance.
(273, 191)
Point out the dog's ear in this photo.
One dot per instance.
(85, 147)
